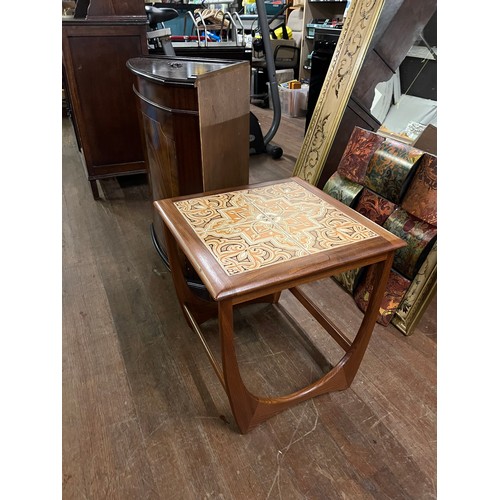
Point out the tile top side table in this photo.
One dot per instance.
(248, 244)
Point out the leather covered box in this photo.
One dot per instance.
(395, 185)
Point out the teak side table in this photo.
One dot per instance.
(250, 243)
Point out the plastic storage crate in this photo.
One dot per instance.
(293, 101)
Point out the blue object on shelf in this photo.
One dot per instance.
(212, 36)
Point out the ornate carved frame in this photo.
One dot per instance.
(418, 296)
(346, 63)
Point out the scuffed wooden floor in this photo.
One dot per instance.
(144, 415)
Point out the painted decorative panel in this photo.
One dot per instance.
(349, 279)
(353, 44)
(342, 189)
(418, 294)
(374, 207)
(419, 237)
(394, 293)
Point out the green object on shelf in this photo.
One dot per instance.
(273, 7)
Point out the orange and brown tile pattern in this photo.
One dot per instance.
(249, 229)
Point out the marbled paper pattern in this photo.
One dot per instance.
(342, 189)
(374, 207)
(358, 153)
(254, 228)
(349, 279)
(389, 169)
(393, 295)
(421, 197)
(419, 237)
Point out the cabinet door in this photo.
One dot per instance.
(114, 9)
(172, 145)
(102, 97)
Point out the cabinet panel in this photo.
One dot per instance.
(106, 99)
(195, 120)
(102, 99)
(116, 8)
(172, 146)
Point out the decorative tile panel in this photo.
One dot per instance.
(250, 229)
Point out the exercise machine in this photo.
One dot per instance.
(260, 143)
(158, 36)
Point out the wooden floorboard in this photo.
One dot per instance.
(144, 415)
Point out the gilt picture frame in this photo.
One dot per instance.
(355, 38)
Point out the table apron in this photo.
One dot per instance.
(239, 298)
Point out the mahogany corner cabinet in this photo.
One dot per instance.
(194, 116)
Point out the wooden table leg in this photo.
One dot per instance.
(250, 410)
(352, 359)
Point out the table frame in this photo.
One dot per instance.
(248, 409)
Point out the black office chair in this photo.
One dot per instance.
(286, 55)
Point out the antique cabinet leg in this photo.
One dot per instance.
(95, 189)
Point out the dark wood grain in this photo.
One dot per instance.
(144, 415)
(195, 139)
(100, 89)
(116, 9)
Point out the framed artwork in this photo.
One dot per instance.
(359, 26)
